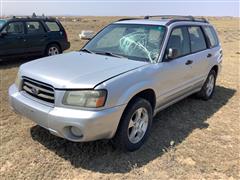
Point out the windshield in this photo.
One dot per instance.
(2, 22)
(133, 41)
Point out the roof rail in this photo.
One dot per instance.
(176, 18)
(169, 17)
(19, 17)
(125, 19)
(33, 16)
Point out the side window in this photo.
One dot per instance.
(52, 26)
(212, 36)
(179, 40)
(34, 27)
(14, 28)
(198, 42)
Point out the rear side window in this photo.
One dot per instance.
(179, 40)
(197, 39)
(52, 26)
(34, 27)
(212, 36)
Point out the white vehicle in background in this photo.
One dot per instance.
(120, 79)
(86, 34)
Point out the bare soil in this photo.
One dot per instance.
(192, 139)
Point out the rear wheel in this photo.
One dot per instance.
(52, 49)
(208, 87)
(134, 126)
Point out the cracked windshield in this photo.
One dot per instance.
(132, 41)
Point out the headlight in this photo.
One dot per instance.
(85, 98)
(18, 80)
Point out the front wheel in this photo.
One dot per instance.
(134, 126)
(208, 87)
(52, 49)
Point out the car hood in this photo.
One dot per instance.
(77, 70)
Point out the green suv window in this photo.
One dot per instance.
(34, 27)
(53, 26)
(14, 28)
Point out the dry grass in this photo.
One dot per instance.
(192, 139)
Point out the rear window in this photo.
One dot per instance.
(198, 42)
(52, 26)
(212, 36)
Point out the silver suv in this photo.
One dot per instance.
(120, 79)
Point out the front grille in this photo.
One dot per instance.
(38, 90)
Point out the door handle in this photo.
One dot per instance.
(188, 62)
(209, 55)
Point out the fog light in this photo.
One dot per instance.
(76, 132)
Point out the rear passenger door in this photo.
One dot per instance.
(199, 55)
(214, 48)
(36, 37)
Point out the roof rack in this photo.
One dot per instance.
(176, 18)
(20, 17)
(33, 16)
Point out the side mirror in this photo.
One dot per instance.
(86, 35)
(171, 53)
(2, 34)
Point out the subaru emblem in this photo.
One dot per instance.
(34, 91)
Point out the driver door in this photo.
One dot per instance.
(12, 42)
(174, 75)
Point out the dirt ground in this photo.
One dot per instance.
(192, 139)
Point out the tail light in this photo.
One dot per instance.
(65, 34)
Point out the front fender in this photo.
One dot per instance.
(133, 90)
(122, 88)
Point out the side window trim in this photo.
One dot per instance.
(207, 40)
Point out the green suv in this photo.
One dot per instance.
(31, 36)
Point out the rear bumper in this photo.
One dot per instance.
(65, 46)
(93, 125)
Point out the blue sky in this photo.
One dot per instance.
(120, 7)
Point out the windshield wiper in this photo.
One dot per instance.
(86, 50)
(111, 54)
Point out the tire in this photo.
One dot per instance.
(208, 88)
(52, 49)
(130, 134)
